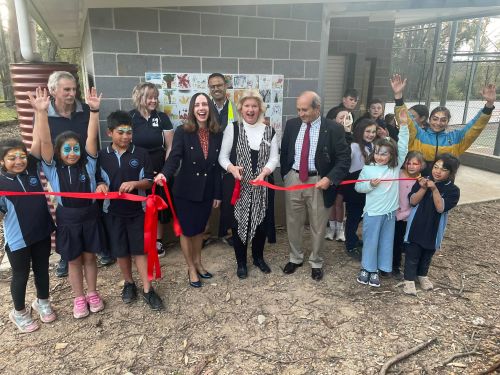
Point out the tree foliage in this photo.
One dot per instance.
(412, 54)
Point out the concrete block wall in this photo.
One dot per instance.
(124, 43)
(362, 39)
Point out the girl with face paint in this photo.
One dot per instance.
(361, 148)
(382, 202)
(27, 227)
(412, 167)
(71, 168)
(431, 199)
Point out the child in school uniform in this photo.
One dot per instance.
(382, 201)
(361, 148)
(127, 169)
(70, 168)
(412, 166)
(27, 227)
(431, 199)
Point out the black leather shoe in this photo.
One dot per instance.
(194, 284)
(206, 275)
(262, 265)
(242, 272)
(317, 274)
(291, 267)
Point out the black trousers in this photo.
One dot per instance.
(258, 241)
(398, 247)
(354, 212)
(417, 261)
(36, 255)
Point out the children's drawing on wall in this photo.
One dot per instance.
(229, 81)
(240, 82)
(277, 96)
(168, 81)
(183, 81)
(266, 95)
(176, 89)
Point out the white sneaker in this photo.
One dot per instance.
(409, 288)
(425, 283)
(329, 234)
(339, 232)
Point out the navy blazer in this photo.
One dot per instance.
(199, 179)
(333, 155)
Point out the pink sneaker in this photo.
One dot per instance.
(80, 308)
(47, 315)
(23, 322)
(95, 302)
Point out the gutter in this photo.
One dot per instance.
(23, 27)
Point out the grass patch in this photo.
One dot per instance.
(7, 114)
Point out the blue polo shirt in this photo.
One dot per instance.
(27, 218)
(78, 122)
(133, 165)
(72, 178)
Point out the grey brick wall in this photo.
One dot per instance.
(124, 43)
(360, 39)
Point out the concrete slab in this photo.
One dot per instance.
(477, 185)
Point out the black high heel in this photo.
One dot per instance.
(206, 275)
(194, 284)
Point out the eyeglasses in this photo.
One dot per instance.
(382, 153)
(215, 87)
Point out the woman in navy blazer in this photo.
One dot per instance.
(197, 186)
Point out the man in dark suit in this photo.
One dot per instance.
(313, 150)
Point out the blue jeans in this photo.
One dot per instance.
(378, 239)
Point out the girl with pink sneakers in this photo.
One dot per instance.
(70, 168)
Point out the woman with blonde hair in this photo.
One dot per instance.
(249, 152)
(152, 130)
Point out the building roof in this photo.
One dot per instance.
(63, 20)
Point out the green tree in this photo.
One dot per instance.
(412, 55)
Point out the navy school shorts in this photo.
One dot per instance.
(125, 235)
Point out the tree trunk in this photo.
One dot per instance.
(13, 36)
(4, 67)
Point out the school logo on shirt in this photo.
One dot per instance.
(33, 181)
(154, 122)
(134, 163)
(83, 178)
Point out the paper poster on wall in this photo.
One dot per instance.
(176, 90)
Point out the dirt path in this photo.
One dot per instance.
(332, 327)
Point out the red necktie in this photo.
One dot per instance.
(304, 155)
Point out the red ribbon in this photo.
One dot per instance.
(237, 186)
(154, 203)
(309, 186)
(176, 225)
(236, 192)
(110, 195)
